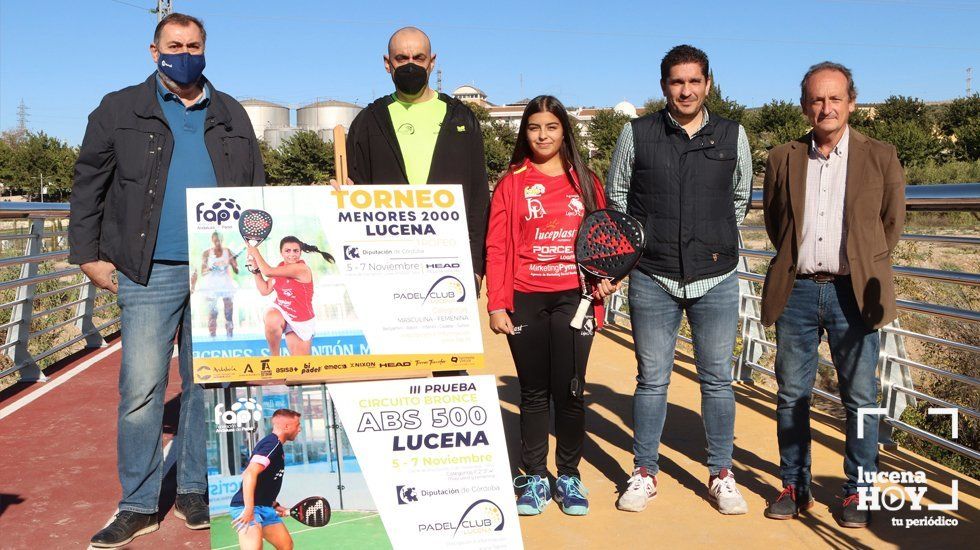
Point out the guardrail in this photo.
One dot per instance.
(33, 241)
(895, 368)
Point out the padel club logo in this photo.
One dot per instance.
(483, 516)
(445, 290)
(243, 416)
(220, 214)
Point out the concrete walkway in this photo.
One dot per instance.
(59, 483)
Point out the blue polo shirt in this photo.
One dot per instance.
(190, 166)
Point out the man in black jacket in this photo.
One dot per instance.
(144, 146)
(418, 136)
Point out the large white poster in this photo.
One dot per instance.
(366, 281)
(435, 460)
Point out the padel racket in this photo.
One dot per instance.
(254, 226)
(313, 511)
(608, 246)
(340, 154)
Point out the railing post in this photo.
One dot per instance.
(23, 312)
(752, 331)
(893, 374)
(84, 311)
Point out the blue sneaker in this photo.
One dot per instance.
(570, 495)
(537, 495)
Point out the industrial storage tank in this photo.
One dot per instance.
(324, 115)
(265, 115)
(275, 136)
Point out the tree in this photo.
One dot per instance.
(499, 139)
(724, 106)
(899, 108)
(654, 104)
(775, 122)
(272, 161)
(604, 130)
(39, 159)
(961, 121)
(304, 158)
(915, 143)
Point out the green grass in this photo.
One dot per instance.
(347, 530)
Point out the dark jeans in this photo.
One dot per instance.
(656, 318)
(814, 308)
(152, 316)
(546, 352)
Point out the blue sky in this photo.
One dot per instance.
(62, 56)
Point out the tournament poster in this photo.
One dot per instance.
(362, 282)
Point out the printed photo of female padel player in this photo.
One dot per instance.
(237, 314)
(291, 315)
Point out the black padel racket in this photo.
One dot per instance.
(255, 226)
(313, 511)
(608, 245)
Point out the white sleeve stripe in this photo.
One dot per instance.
(259, 459)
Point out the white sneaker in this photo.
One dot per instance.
(725, 494)
(641, 489)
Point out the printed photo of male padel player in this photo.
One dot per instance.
(282, 474)
(264, 281)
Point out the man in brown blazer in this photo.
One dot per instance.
(834, 207)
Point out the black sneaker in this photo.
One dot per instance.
(125, 527)
(850, 516)
(790, 503)
(193, 509)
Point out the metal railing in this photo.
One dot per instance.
(895, 368)
(34, 263)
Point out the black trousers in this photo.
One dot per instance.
(546, 352)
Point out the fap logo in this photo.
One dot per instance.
(222, 214)
(244, 416)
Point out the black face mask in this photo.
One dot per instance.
(410, 78)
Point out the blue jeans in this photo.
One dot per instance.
(656, 318)
(813, 308)
(152, 316)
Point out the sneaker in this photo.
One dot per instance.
(537, 495)
(724, 493)
(849, 514)
(790, 503)
(640, 489)
(570, 495)
(125, 527)
(193, 509)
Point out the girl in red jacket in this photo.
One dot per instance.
(533, 291)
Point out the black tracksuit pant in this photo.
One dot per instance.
(546, 352)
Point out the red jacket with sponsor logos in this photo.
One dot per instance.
(506, 236)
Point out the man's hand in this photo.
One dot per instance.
(245, 520)
(606, 288)
(336, 184)
(500, 323)
(281, 511)
(100, 273)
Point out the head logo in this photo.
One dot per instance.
(244, 416)
(223, 213)
(481, 517)
(446, 289)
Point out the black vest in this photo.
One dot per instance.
(681, 191)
